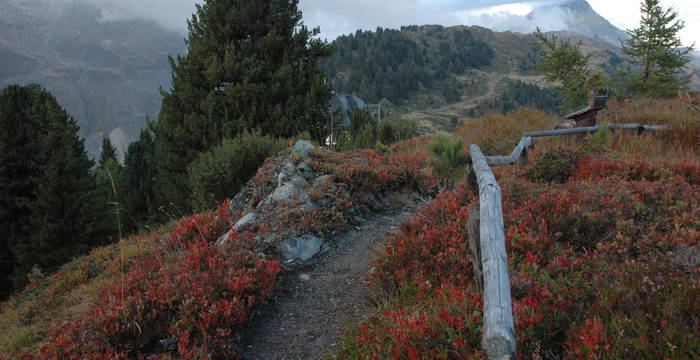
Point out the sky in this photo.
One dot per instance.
(337, 17)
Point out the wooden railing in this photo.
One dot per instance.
(487, 238)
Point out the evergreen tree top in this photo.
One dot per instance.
(108, 151)
(657, 50)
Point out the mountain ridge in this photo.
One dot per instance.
(107, 74)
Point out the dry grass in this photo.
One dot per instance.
(497, 134)
(681, 141)
(26, 317)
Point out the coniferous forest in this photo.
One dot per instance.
(51, 208)
(389, 64)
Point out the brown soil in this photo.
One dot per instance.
(317, 301)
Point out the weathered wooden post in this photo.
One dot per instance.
(499, 332)
(474, 245)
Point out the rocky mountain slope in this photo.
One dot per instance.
(576, 16)
(107, 74)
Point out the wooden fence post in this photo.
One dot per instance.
(474, 245)
(499, 332)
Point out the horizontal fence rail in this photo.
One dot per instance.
(589, 129)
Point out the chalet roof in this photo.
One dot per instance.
(599, 103)
(346, 104)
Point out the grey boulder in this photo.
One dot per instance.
(302, 248)
(302, 148)
(247, 222)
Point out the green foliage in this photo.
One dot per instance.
(109, 177)
(249, 65)
(108, 151)
(35, 274)
(519, 94)
(391, 64)
(555, 166)
(564, 62)
(50, 207)
(380, 148)
(452, 93)
(364, 133)
(598, 141)
(138, 190)
(448, 157)
(656, 49)
(220, 173)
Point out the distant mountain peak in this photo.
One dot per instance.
(575, 16)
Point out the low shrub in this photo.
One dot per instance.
(448, 157)
(187, 299)
(554, 166)
(221, 172)
(601, 267)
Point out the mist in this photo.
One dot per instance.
(336, 17)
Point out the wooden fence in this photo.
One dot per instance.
(487, 238)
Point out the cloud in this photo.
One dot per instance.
(172, 14)
(337, 17)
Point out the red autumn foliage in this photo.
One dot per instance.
(597, 266)
(187, 300)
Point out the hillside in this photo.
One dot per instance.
(106, 74)
(444, 88)
(603, 242)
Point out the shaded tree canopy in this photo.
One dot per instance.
(50, 210)
(249, 65)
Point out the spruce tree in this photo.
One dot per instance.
(20, 132)
(52, 211)
(655, 48)
(139, 198)
(108, 151)
(109, 177)
(251, 64)
(564, 62)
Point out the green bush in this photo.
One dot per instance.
(380, 148)
(555, 166)
(221, 172)
(598, 141)
(447, 156)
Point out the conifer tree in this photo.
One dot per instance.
(20, 130)
(108, 151)
(657, 50)
(564, 62)
(139, 199)
(52, 211)
(109, 177)
(251, 64)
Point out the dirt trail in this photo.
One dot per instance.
(315, 303)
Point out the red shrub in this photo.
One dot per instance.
(597, 266)
(194, 298)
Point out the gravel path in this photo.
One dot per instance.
(305, 319)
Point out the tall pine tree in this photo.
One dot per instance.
(109, 177)
(139, 185)
(657, 50)
(108, 151)
(50, 211)
(251, 64)
(563, 62)
(20, 134)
